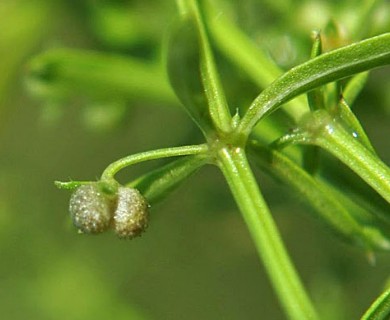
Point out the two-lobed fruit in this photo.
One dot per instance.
(94, 211)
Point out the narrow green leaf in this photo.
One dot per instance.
(328, 67)
(184, 74)
(64, 72)
(321, 129)
(316, 49)
(352, 124)
(334, 173)
(354, 87)
(239, 48)
(157, 184)
(311, 159)
(247, 55)
(315, 99)
(374, 224)
(364, 18)
(193, 73)
(380, 309)
(329, 208)
(360, 159)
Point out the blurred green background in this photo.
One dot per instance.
(196, 260)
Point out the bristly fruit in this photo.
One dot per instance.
(131, 214)
(90, 208)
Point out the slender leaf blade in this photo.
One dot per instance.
(157, 184)
(246, 54)
(64, 72)
(380, 309)
(328, 67)
(330, 208)
(193, 72)
(184, 74)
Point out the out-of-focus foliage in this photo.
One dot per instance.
(196, 260)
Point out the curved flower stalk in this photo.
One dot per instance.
(97, 206)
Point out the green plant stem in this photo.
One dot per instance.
(279, 267)
(116, 166)
(380, 309)
(363, 161)
(320, 129)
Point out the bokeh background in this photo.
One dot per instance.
(196, 260)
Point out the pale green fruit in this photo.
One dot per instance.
(131, 214)
(91, 209)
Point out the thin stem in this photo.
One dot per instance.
(279, 267)
(363, 161)
(116, 166)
